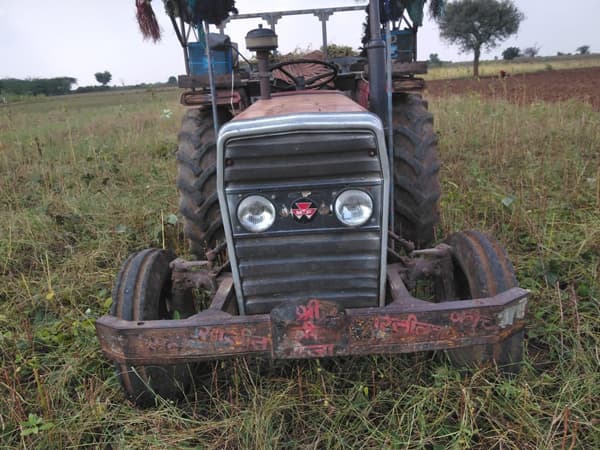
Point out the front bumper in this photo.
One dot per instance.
(313, 328)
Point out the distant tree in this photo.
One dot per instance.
(337, 51)
(511, 53)
(61, 85)
(103, 77)
(172, 80)
(477, 24)
(531, 52)
(434, 60)
(583, 50)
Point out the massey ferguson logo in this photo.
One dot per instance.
(303, 210)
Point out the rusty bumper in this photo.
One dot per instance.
(313, 329)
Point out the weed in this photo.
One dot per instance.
(86, 180)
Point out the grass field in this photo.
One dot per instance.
(86, 180)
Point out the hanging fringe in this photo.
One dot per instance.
(212, 11)
(147, 20)
(437, 8)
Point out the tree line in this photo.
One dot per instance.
(37, 86)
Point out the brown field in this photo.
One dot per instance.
(550, 85)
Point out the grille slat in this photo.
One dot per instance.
(307, 283)
(301, 143)
(355, 299)
(309, 245)
(310, 265)
(298, 167)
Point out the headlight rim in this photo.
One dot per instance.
(361, 191)
(268, 223)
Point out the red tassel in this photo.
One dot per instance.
(147, 20)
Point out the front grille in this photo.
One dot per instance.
(322, 259)
(342, 267)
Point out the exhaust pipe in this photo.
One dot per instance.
(377, 65)
(262, 41)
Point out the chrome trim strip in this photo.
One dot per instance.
(302, 122)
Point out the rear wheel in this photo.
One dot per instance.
(197, 181)
(142, 291)
(482, 269)
(416, 169)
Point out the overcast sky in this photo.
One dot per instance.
(41, 38)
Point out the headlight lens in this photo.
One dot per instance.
(353, 207)
(256, 213)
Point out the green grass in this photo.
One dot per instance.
(513, 67)
(86, 180)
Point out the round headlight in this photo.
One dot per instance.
(353, 207)
(256, 213)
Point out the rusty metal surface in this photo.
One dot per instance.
(202, 81)
(398, 290)
(310, 328)
(406, 70)
(308, 68)
(224, 300)
(399, 68)
(209, 336)
(408, 84)
(192, 274)
(313, 328)
(224, 97)
(301, 102)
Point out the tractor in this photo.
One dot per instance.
(310, 197)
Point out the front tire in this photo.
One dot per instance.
(416, 170)
(482, 269)
(142, 292)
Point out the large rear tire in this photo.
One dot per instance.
(416, 170)
(197, 181)
(482, 269)
(142, 292)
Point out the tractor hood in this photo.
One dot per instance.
(300, 102)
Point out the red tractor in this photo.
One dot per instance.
(310, 192)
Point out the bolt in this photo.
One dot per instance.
(324, 209)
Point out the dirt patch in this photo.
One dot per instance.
(550, 86)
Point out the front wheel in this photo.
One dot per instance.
(482, 269)
(143, 292)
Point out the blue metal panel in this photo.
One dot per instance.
(222, 59)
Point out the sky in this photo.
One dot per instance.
(77, 38)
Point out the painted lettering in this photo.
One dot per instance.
(316, 350)
(223, 337)
(409, 326)
(308, 328)
(258, 343)
(308, 312)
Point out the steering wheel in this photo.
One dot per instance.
(300, 74)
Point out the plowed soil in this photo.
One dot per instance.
(548, 86)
